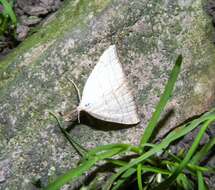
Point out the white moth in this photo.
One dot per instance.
(106, 95)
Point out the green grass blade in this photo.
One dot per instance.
(3, 25)
(201, 184)
(203, 152)
(174, 135)
(134, 162)
(192, 168)
(99, 149)
(109, 153)
(139, 177)
(128, 173)
(71, 175)
(116, 162)
(163, 100)
(80, 149)
(184, 182)
(166, 183)
(125, 176)
(155, 170)
(186, 128)
(9, 11)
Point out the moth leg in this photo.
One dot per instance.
(76, 89)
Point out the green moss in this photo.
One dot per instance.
(73, 13)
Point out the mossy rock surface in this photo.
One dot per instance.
(33, 79)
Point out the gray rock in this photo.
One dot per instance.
(29, 21)
(22, 32)
(149, 35)
(38, 7)
(5, 171)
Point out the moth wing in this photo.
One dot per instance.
(106, 94)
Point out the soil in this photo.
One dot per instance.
(30, 13)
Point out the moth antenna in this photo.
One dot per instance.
(76, 89)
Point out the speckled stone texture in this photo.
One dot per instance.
(148, 35)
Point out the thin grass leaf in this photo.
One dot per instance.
(123, 178)
(109, 153)
(203, 152)
(174, 157)
(201, 183)
(86, 165)
(80, 149)
(9, 11)
(71, 175)
(152, 161)
(139, 177)
(119, 183)
(163, 100)
(155, 170)
(184, 182)
(191, 151)
(134, 162)
(116, 162)
(99, 149)
(128, 173)
(186, 128)
(192, 168)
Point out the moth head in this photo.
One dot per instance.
(83, 107)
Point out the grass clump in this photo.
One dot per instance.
(7, 16)
(8, 22)
(149, 165)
